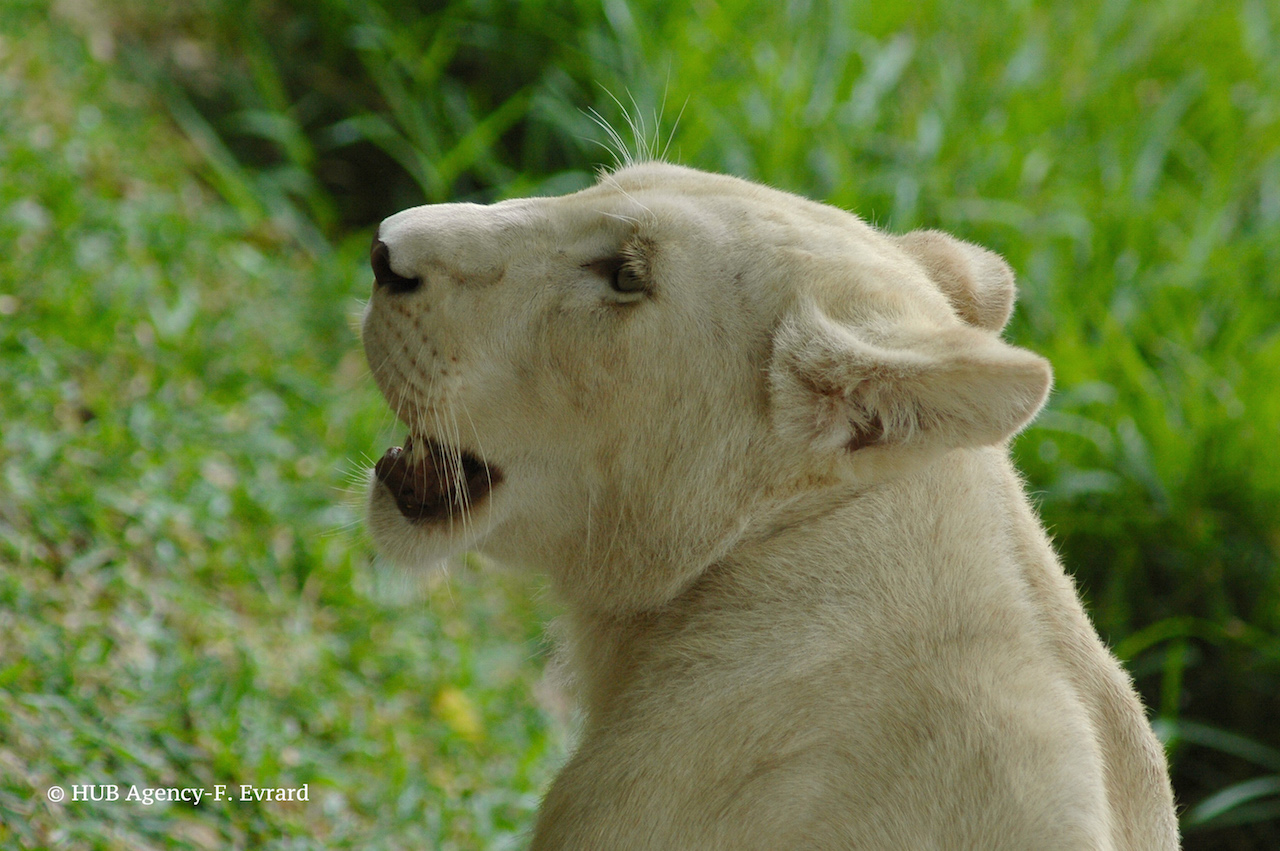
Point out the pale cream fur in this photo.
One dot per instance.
(809, 604)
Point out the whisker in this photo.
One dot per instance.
(480, 450)
(462, 495)
(631, 220)
(674, 127)
(590, 507)
(621, 156)
(609, 178)
(639, 132)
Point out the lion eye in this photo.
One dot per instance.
(622, 277)
(625, 280)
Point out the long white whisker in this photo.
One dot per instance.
(480, 451)
(621, 156)
(661, 112)
(438, 429)
(639, 131)
(629, 157)
(631, 220)
(613, 153)
(590, 506)
(610, 179)
(617, 528)
(463, 495)
(674, 127)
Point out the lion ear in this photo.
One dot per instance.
(842, 389)
(978, 283)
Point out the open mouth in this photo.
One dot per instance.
(431, 482)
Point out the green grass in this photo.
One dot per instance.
(186, 597)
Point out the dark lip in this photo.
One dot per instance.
(424, 483)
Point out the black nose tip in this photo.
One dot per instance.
(384, 275)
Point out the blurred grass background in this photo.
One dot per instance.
(186, 197)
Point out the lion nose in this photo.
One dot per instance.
(384, 275)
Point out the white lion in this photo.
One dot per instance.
(760, 448)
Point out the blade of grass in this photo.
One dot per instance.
(1232, 798)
